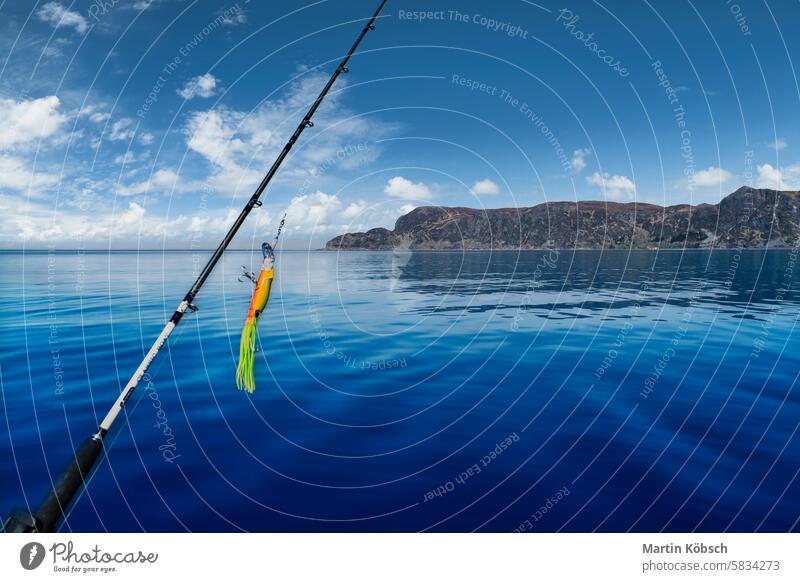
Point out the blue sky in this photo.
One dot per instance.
(147, 124)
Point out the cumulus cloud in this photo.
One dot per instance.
(163, 180)
(27, 122)
(124, 159)
(779, 144)
(92, 113)
(235, 19)
(98, 117)
(485, 187)
(313, 211)
(212, 134)
(122, 130)
(24, 124)
(614, 187)
(320, 214)
(317, 217)
(132, 216)
(201, 86)
(399, 187)
(57, 15)
(36, 223)
(15, 175)
(354, 209)
(782, 178)
(242, 143)
(711, 177)
(578, 161)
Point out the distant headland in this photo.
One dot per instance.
(747, 218)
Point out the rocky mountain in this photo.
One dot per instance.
(749, 217)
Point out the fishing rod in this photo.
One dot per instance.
(47, 516)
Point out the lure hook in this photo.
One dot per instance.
(268, 252)
(249, 275)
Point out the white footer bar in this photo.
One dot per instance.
(402, 557)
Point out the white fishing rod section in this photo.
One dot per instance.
(50, 512)
(126, 393)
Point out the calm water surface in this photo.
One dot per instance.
(544, 391)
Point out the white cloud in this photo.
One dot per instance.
(127, 158)
(235, 19)
(769, 177)
(485, 187)
(783, 178)
(614, 187)
(211, 135)
(163, 180)
(320, 214)
(16, 176)
(25, 122)
(354, 209)
(201, 86)
(99, 117)
(315, 217)
(399, 187)
(122, 130)
(779, 144)
(146, 138)
(57, 15)
(218, 222)
(313, 211)
(37, 223)
(52, 51)
(578, 161)
(242, 143)
(711, 177)
(406, 208)
(134, 215)
(92, 113)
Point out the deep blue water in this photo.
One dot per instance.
(624, 391)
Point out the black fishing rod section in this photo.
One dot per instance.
(50, 512)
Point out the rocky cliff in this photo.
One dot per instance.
(746, 218)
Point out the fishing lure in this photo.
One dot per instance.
(263, 286)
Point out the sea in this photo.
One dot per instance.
(528, 391)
